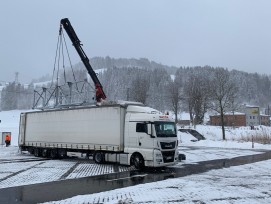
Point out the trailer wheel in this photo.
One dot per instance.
(31, 150)
(53, 153)
(98, 157)
(37, 152)
(62, 153)
(138, 161)
(44, 152)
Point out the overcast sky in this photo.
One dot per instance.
(235, 34)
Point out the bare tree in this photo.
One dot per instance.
(174, 96)
(197, 97)
(139, 89)
(224, 91)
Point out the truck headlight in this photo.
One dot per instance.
(158, 155)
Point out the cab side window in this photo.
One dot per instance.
(141, 127)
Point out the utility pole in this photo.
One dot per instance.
(16, 77)
(268, 111)
(128, 96)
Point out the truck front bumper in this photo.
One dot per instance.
(165, 158)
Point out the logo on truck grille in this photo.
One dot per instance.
(168, 145)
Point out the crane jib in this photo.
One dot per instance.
(100, 95)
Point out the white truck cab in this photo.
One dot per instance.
(150, 137)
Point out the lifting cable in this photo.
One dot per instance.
(57, 48)
(58, 55)
(70, 61)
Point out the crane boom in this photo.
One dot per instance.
(100, 95)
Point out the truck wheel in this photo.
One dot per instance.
(44, 152)
(138, 161)
(98, 157)
(62, 153)
(53, 153)
(37, 152)
(31, 150)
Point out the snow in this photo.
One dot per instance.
(248, 183)
(10, 123)
(184, 116)
(229, 185)
(43, 84)
(97, 71)
(15, 172)
(172, 77)
(100, 71)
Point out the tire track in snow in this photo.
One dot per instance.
(18, 172)
(4, 161)
(64, 176)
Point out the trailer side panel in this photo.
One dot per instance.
(84, 128)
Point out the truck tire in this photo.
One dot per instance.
(138, 161)
(53, 153)
(44, 152)
(62, 153)
(37, 152)
(31, 150)
(98, 157)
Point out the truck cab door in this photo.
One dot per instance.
(145, 140)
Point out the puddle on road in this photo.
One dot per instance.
(67, 188)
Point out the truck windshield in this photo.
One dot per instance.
(165, 129)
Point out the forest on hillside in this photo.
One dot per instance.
(151, 83)
(253, 88)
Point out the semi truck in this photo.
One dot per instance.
(127, 133)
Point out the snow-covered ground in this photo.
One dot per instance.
(18, 169)
(250, 183)
(241, 184)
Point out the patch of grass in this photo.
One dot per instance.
(259, 136)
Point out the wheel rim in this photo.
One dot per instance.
(138, 162)
(98, 157)
(44, 153)
(62, 153)
(36, 152)
(53, 153)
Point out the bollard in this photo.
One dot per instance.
(252, 142)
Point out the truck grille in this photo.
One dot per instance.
(167, 145)
(168, 156)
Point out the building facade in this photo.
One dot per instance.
(230, 119)
(251, 117)
(265, 120)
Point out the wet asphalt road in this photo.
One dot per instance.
(59, 190)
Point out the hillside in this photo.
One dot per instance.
(145, 81)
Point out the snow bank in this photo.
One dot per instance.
(213, 135)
